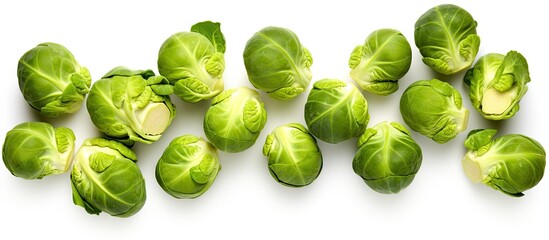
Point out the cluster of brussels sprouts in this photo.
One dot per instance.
(131, 106)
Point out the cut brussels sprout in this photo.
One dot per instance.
(131, 105)
(512, 163)
(497, 84)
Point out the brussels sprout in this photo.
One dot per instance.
(105, 178)
(336, 111)
(130, 105)
(33, 150)
(51, 80)
(434, 109)
(194, 61)
(294, 158)
(277, 63)
(188, 167)
(446, 36)
(512, 163)
(388, 158)
(378, 64)
(497, 84)
(235, 119)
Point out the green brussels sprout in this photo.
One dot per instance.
(388, 158)
(294, 158)
(105, 178)
(383, 59)
(235, 119)
(194, 61)
(131, 105)
(277, 63)
(497, 84)
(512, 163)
(51, 80)
(188, 167)
(434, 109)
(33, 150)
(446, 36)
(336, 111)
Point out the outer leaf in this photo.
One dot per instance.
(212, 31)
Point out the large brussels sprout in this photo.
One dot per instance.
(33, 150)
(276, 62)
(194, 61)
(51, 80)
(105, 178)
(131, 105)
(383, 59)
(434, 109)
(446, 36)
(294, 158)
(188, 167)
(512, 163)
(388, 158)
(336, 111)
(235, 119)
(497, 84)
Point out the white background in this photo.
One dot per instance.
(245, 202)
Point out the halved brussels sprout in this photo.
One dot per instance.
(383, 59)
(105, 178)
(294, 158)
(194, 61)
(131, 105)
(33, 150)
(276, 62)
(512, 163)
(434, 109)
(51, 80)
(497, 84)
(388, 158)
(336, 111)
(188, 167)
(235, 119)
(446, 36)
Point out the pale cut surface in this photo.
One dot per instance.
(495, 102)
(155, 118)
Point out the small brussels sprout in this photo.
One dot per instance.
(383, 59)
(235, 119)
(434, 109)
(105, 178)
(497, 84)
(51, 80)
(194, 61)
(131, 105)
(446, 36)
(388, 158)
(294, 158)
(512, 163)
(277, 63)
(336, 111)
(33, 150)
(188, 167)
